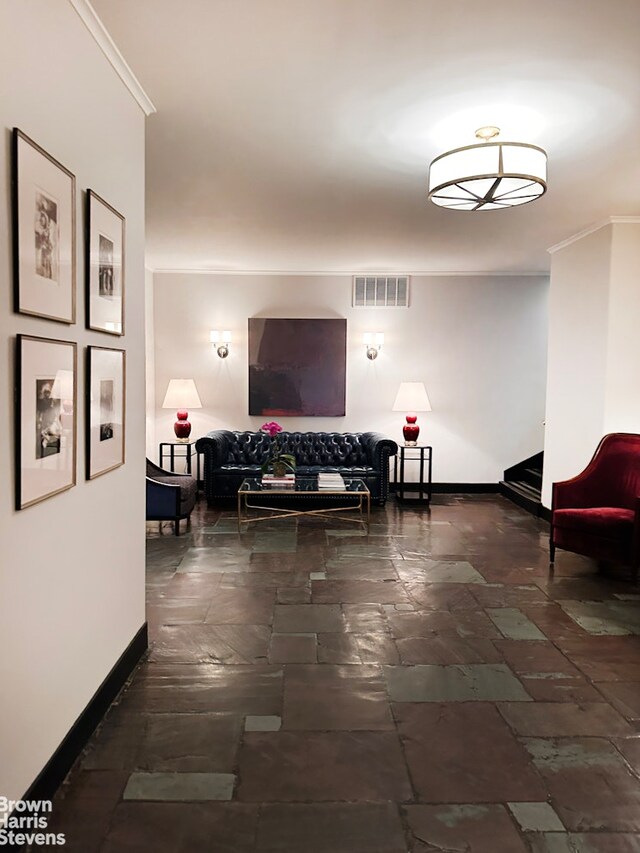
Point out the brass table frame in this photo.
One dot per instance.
(276, 513)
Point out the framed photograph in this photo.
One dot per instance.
(105, 266)
(46, 403)
(44, 233)
(105, 422)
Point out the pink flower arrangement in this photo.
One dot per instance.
(277, 461)
(271, 428)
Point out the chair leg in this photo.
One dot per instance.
(552, 549)
(176, 527)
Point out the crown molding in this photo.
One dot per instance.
(610, 220)
(107, 45)
(350, 273)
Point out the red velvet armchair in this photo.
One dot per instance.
(597, 513)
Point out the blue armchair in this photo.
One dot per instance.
(170, 497)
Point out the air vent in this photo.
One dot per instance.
(376, 291)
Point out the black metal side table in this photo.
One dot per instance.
(417, 493)
(168, 449)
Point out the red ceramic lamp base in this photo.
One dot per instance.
(411, 430)
(182, 427)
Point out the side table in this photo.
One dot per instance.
(419, 493)
(168, 449)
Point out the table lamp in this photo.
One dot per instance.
(411, 398)
(182, 394)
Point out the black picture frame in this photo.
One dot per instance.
(46, 396)
(105, 254)
(44, 233)
(105, 432)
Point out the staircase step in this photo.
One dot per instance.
(533, 476)
(523, 494)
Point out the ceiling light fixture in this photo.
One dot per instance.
(488, 175)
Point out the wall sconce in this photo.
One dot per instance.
(373, 342)
(221, 342)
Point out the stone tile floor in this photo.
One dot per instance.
(426, 687)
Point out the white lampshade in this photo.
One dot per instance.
(412, 397)
(181, 394)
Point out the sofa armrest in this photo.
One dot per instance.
(215, 447)
(379, 448)
(163, 498)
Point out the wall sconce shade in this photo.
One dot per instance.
(182, 394)
(411, 398)
(373, 341)
(221, 342)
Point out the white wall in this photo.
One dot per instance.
(72, 567)
(622, 413)
(150, 365)
(478, 344)
(593, 383)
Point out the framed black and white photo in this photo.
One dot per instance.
(105, 401)
(105, 266)
(44, 233)
(46, 403)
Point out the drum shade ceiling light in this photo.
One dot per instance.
(488, 175)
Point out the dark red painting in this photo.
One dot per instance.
(297, 367)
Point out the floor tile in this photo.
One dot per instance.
(241, 607)
(604, 658)
(307, 618)
(470, 828)
(438, 571)
(182, 828)
(604, 617)
(536, 817)
(330, 828)
(322, 766)
(207, 688)
(293, 648)
(377, 648)
(226, 644)
(447, 745)
(442, 623)
(590, 784)
(331, 698)
(338, 648)
(357, 592)
(533, 656)
(179, 787)
(463, 683)
(83, 808)
(591, 842)
(513, 624)
(166, 742)
(549, 719)
(447, 650)
(271, 723)
(442, 596)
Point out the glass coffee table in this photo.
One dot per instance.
(354, 498)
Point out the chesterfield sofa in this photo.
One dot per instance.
(229, 457)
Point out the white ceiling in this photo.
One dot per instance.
(297, 134)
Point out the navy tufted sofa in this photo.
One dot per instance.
(229, 457)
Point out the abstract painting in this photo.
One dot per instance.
(297, 367)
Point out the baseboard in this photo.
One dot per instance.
(464, 488)
(545, 513)
(62, 760)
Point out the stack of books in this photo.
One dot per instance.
(330, 482)
(288, 481)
